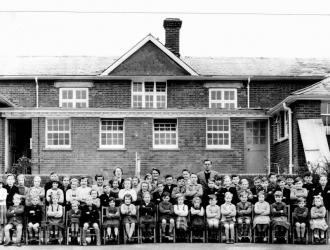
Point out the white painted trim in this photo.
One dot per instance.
(222, 101)
(159, 45)
(268, 145)
(74, 100)
(165, 147)
(73, 84)
(223, 84)
(57, 147)
(6, 145)
(111, 147)
(220, 147)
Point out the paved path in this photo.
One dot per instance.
(179, 246)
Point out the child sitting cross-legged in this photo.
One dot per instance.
(300, 215)
(228, 218)
(244, 212)
(279, 217)
(147, 216)
(34, 218)
(166, 215)
(318, 223)
(74, 220)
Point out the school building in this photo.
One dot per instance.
(153, 107)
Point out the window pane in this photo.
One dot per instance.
(149, 86)
(161, 86)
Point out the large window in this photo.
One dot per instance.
(58, 133)
(218, 133)
(165, 133)
(74, 97)
(281, 126)
(223, 98)
(149, 95)
(112, 133)
(325, 113)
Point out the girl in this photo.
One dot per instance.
(96, 200)
(228, 213)
(166, 214)
(279, 217)
(74, 220)
(72, 194)
(144, 189)
(147, 216)
(55, 191)
(118, 174)
(55, 218)
(245, 188)
(261, 217)
(197, 216)
(297, 191)
(128, 210)
(213, 213)
(127, 190)
(111, 219)
(35, 190)
(299, 216)
(317, 222)
(84, 190)
(3, 209)
(181, 210)
(114, 191)
(34, 218)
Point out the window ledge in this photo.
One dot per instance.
(165, 149)
(282, 139)
(57, 149)
(111, 149)
(219, 149)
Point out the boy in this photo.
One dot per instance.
(244, 212)
(193, 189)
(157, 194)
(105, 197)
(256, 188)
(169, 186)
(308, 181)
(11, 189)
(55, 191)
(211, 189)
(34, 218)
(186, 176)
(99, 184)
(235, 181)
(180, 189)
(285, 191)
(90, 218)
(83, 190)
(227, 187)
(15, 217)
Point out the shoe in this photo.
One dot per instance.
(265, 240)
(316, 240)
(84, 244)
(227, 242)
(18, 244)
(322, 241)
(298, 240)
(7, 243)
(232, 241)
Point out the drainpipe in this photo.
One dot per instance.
(37, 92)
(290, 136)
(248, 92)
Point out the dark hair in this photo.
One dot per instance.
(207, 160)
(234, 175)
(180, 178)
(114, 171)
(271, 173)
(183, 170)
(97, 176)
(155, 169)
(112, 199)
(307, 174)
(52, 173)
(166, 194)
(168, 176)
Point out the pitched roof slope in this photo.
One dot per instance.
(321, 88)
(204, 66)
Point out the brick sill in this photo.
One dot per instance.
(57, 149)
(111, 149)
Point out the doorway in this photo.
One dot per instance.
(19, 138)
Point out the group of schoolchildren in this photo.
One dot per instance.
(228, 201)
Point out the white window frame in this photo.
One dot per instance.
(100, 134)
(144, 94)
(46, 134)
(222, 101)
(278, 123)
(219, 132)
(326, 113)
(74, 94)
(165, 146)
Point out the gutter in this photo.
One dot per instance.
(290, 136)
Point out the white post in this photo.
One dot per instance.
(137, 165)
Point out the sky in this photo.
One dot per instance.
(210, 27)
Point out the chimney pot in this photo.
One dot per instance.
(172, 34)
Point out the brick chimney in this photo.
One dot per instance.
(172, 34)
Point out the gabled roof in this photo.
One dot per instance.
(150, 38)
(317, 91)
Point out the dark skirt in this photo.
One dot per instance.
(111, 223)
(129, 219)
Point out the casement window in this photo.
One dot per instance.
(325, 114)
(223, 98)
(58, 133)
(165, 133)
(112, 134)
(218, 134)
(74, 97)
(281, 126)
(149, 95)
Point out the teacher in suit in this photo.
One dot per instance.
(206, 174)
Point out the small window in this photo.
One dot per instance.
(149, 95)
(325, 114)
(218, 133)
(281, 126)
(165, 134)
(112, 133)
(223, 98)
(58, 133)
(74, 97)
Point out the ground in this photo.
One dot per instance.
(180, 246)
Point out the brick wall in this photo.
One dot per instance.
(266, 94)
(302, 110)
(21, 93)
(2, 145)
(85, 158)
(280, 156)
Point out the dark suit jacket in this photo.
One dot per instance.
(202, 180)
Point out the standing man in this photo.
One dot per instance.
(208, 173)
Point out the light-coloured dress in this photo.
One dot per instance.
(261, 210)
(3, 206)
(318, 218)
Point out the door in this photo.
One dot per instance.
(256, 153)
